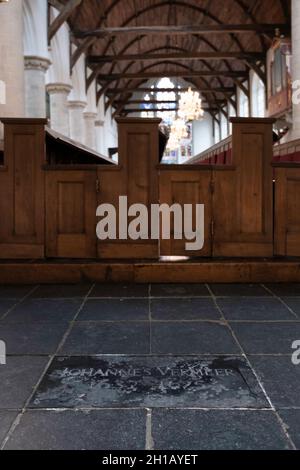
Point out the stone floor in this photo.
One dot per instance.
(150, 367)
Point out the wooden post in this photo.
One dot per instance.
(243, 195)
(22, 189)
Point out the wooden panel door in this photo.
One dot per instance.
(22, 189)
(243, 194)
(71, 200)
(287, 211)
(180, 186)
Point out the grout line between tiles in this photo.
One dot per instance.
(288, 437)
(149, 438)
(19, 302)
(18, 418)
(280, 300)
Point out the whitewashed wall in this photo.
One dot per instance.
(202, 134)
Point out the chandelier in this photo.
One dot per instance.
(190, 106)
(178, 132)
(173, 143)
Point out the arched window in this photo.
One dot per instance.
(166, 101)
(147, 107)
(167, 116)
(224, 126)
(162, 97)
(258, 97)
(243, 104)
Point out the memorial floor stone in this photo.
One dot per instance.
(149, 381)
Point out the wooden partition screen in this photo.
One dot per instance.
(22, 189)
(287, 209)
(243, 195)
(49, 210)
(238, 198)
(135, 177)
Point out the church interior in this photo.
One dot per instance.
(150, 225)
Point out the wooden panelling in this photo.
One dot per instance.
(71, 214)
(22, 189)
(137, 178)
(243, 198)
(237, 198)
(287, 211)
(180, 186)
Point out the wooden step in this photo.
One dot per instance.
(243, 271)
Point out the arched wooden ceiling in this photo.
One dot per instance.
(217, 42)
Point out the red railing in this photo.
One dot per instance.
(287, 152)
(218, 154)
(221, 153)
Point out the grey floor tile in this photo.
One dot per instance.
(294, 304)
(44, 310)
(80, 430)
(108, 338)
(249, 308)
(280, 378)
(15, 291)
(267, 338)
(6, 420)
(184, 309)
(178, 290)
(285, 289)
(5, 305)
(32, 338)
(291, 419)
(244, 290)
(217, 430)
(61, 290)
(18, 378)
(120, 290)
(192, 338)
(114, 310)
(149, 381)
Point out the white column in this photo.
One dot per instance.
(78, 100)
(59, 110)
(35, 87)
(77, 129)
(58, 78)
(90, 116)
(36, 57)
(296, 62)
(11, 60)
(99, 127)
(90, 130)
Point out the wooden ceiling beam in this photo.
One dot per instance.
(146, 102)
(176, 90)
(163, 3)
(169, 73)
(65, 13)
(142, 101)
(166, 30)
(162, 110)
(254, 56)
(56, 4)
